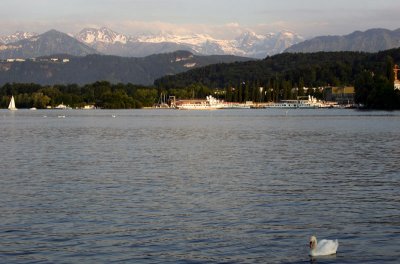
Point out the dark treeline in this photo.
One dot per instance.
(283, 77)
(101, 94)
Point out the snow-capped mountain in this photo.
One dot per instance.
(110, 42)
(193, 39)
(102, 35)
(249, 39)
(106, 41)
(17, 36)
(46, 44)
(248, 44)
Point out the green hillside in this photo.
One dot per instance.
(114, 69)
(371, 74)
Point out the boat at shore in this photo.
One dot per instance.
(210, 103)
(311, 103)
(62, 106)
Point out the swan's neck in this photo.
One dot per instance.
(313, 244)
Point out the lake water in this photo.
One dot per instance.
(228, 186)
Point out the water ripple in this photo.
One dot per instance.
(198, 187)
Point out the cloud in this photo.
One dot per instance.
(221, 18)
(129, 27)
(224, 31)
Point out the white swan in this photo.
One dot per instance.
(323, 248)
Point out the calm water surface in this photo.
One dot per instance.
(165, 186)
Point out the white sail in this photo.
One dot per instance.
(11, 106)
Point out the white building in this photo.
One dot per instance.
(397, 85)
(396, 69)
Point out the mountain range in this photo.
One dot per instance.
(46, 44)
(248, 44)
(67, 69)
(103, 54)
(109, 42)
(17, 36)
(372, 40)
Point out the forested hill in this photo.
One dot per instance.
(66, 69)
(309, 69)
(286, 71)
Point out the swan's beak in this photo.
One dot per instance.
(311, 244)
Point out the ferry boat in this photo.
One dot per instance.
(311, 103)
(210, 103)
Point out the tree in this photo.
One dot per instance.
(40, 101)
(148, 97)
(363, 85)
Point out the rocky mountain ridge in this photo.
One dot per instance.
(109, 42)
(48, 43)
(249, 44)
(372, 40)
(17, 36)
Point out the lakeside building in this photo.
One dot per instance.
(396, 69)
(64, 60)
(341, 95)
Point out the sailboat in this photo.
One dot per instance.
(11, 106)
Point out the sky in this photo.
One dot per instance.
(222, 19)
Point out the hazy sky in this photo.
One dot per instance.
(220, 18)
